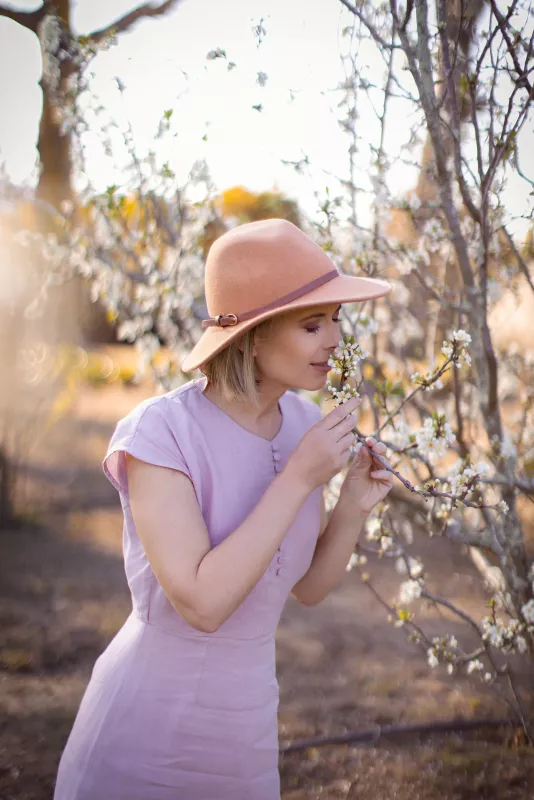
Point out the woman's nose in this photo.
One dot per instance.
(334, 335)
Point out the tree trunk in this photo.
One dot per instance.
(462, 19)
(54, 148)
(54, 144)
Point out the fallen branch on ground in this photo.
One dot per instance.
(387, 731)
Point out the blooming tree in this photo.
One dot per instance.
(455, 409)
(66, 56)
(460, 427)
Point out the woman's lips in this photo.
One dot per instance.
(322, 367)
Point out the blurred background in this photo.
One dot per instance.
(132, 136)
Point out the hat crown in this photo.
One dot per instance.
(255, 264)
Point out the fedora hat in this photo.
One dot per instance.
(261, 269)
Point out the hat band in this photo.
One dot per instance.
(228, 320)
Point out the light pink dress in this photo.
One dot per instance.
(171, 713)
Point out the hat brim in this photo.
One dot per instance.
(343, 289)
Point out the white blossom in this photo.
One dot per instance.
(462, 475)
(356, 560)
(507, 638)
(401, 434)
(409, 591)
(344, 361)
(528, 611)
(456, 347)
(433, 660)
(414, 568)
(434, 438)
(474, 666)
(373, 528)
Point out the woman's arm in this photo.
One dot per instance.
(363, 488)
(205, 584)
(333, 551)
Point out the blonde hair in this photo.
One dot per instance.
(233, 370)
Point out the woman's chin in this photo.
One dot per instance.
(312, 383)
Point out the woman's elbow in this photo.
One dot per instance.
(306, 598)
(196, 615)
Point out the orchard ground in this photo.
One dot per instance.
(341, 665)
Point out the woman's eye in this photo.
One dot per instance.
(312, 329)
(336, 319)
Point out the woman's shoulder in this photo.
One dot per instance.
(173, 406)
(157, 430)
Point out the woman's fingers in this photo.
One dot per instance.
(382, 475)
(338, 414)
(378, 447)
(347, 441)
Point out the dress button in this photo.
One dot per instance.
(278, 571)
(276, 456)
(279, 559)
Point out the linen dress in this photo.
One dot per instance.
(170, 712)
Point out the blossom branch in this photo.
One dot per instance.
(370, 27)
(436, 375)
(520, 260)
(127, 21)
(518, 704)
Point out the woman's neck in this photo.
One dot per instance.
(263, 419)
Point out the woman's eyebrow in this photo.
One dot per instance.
(313, 316)
(319, 314)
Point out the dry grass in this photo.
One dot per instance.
(341, 666)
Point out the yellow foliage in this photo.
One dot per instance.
(248, 206)
(236, 202)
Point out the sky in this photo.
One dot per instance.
(300, 53)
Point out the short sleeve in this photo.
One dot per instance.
(147, 434)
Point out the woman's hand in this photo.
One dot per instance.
(325, 449)
(367, 482)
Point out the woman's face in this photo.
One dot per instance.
(296, 349)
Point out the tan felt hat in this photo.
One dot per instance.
(265, 268)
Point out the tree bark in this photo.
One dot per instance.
(54, 145)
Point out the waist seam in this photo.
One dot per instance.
(203, 636)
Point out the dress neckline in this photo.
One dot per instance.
(201, 385)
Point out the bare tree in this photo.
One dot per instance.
(63, 60)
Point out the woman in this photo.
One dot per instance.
(220, 483)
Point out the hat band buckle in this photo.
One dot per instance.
(229, 320)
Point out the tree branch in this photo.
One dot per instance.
(28, 19)
(387, 731)
(372, 30)
(521, 262)
(128, 20)
(451, 98)
(503, 25)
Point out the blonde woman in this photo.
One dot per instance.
(220, 483)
